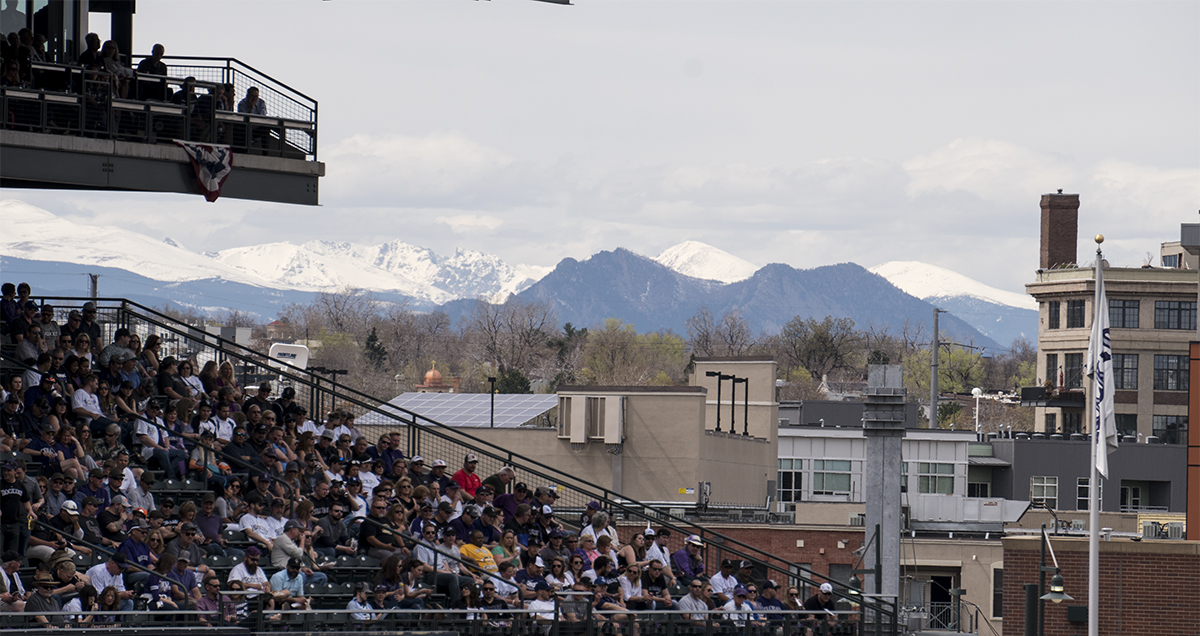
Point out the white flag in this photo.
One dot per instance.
(1100, 369)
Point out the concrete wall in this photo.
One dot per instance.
(969, 562)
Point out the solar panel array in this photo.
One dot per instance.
(473, 409)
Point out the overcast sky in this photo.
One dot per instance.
(806, 133)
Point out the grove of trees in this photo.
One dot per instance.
(387, 347)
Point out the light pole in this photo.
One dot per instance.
(745, 404)
(719, 376)
(977, 392)
(492, 382)
(1035, 605)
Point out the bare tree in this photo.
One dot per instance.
(734, 332)
(515, 335)
(702, 333)
(818, 347)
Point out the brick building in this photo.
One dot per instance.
(1146, 587)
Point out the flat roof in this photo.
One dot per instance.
(470, 410)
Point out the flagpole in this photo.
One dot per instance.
(1094, 481)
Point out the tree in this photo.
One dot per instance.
(818, 347)
(734, 333)
(512, 381)
(615, 354)
(514, 335)
(374, 352)
(702, 333)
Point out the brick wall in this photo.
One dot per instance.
(820, 545)
(1147, 587)
(1060, 229)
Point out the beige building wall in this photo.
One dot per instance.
(1145, 285)
(971, 564)
(763, 407)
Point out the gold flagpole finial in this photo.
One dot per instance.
(1099, 239)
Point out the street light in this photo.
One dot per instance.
(492, 381)
(977, 392)
(745, 404)
(719, 376)
(1035, 606)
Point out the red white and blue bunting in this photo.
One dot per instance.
(213, 163)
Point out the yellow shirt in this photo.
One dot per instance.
(481, 557)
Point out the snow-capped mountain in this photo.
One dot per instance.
(999, 314)
(34, 234)
(698, 260)
(395, 266)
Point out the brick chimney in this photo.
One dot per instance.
(1060, 229)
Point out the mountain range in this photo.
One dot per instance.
(55, 254)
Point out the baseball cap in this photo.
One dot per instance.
(520, 487)
(189, 527)
(826, 588)
(471, 458)
(253, 551)
(539, 562)
(91, 501)
(381, 588)
(277, 502)
(694, 539)
(445, 507)
(593, 505)
(451, 485)
(745, 564)
(120, 500)
(542, 585)
(71, 508)
(208, 496)
(770, 585)
(556, 534)
(183, 557)
(417, 459)
(120, 560)
(9, 556)
(292, 523)
(328, 434)
(438, 463)
(739, 591)
(294, 563)
(548, 511)
(472, 510)
(649, 532)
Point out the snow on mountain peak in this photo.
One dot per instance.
(927, 281)
(699, 260)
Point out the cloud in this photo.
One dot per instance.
(993, 170)
(466, 223)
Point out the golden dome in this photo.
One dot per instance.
(433, 376)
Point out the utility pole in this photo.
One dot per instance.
(94, 286)
(933, 372)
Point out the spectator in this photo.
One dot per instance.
(287, 548)
(86, 601)
(250, 575)
(686, 561)
(15, 507)
(92, 54)
(288, 585)
(332, 537)
(108, 574)
(158, 585)
(466, 477)
(42, 602)
(214, 602)
(154, 65)
(12, 589)
(89, 326)
(252, 104)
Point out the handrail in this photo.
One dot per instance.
(615, 500)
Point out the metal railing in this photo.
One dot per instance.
(250, 614)
(71, 100)
(429, 438)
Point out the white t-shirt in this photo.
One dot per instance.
(260, 525)
(310, 426)
(100, 577)
(149, 430)
(83, 399)
(723, 585)
(239, 573)
(628, 588)
(223, 429)
(542, 609)
(589, 531)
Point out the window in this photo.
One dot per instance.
(1170, 373)
(790, 481)
(1073, 363)
(936, 478)
(1082, 494)
(1075, 313)
(1127, 424)
(979, 489)
(1051, 423)
(1052, 369)
(1123, 314)
(1052, 315)
(1044, 490)
(831, 477)
(1125, 370)
(1171, 429)
(903, 476)
(1072, 423)
(998, 593)
(1131, 498)
(1170, 260)
(1174, 314)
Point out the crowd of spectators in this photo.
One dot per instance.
(101, 425)
(110, 75)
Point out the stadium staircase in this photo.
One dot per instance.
(431, 439)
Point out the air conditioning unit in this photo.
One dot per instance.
(614, 420)
(1149, 529)
(1175, 530)
(1079, 524)
(858, 520)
